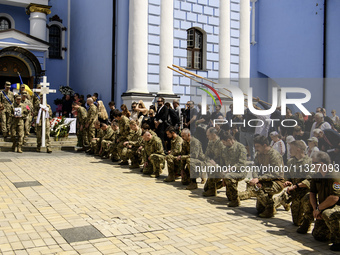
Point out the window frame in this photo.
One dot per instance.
(192, 49)
(9, 18)
(62, 39)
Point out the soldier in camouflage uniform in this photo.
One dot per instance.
(92, 116)
(234, 156)
(97, 140)
(124, 131)
(38, 113)
(108, 135)
(23, 89)
(109, 145)
(324, 202)
(132, 145)
(267, 183)
(153, 155)
(297, 182)
(213, 157)
(36, 98)
(191, 156)
(81, 120)
(29, 106)
(6, 100)
(176, 149)
(18, 113)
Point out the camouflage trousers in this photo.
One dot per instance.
(174, 165)
(95, 145)
(39, 136)
(82, 138)
(133, 155)
(17, 129)
(122, 150)
(91, 133)
(332, 219)
(106, 146)
(295, 197)
(265, 195)
(113, 150)
(5, 122)
(191, 169)
(231, 183)
(27, 124)
(154, 165)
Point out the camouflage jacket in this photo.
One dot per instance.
(36, 112)
(36, 99)
(108, 134)
(81, 115)
(92, 115)
(299, 170)
(135, 138)
(124, 128)
(4, 101)
(154, 146)
(24, 112)
(176, 146)
(236, 155)
(214, 151)
(192, 149)
(99, 133)
(269, 160)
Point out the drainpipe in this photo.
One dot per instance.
(324, 54)
(113, 51)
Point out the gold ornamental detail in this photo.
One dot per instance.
(38, 8)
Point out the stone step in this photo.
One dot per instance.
(33, 139)
(53, 148)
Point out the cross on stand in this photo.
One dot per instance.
(44, 90)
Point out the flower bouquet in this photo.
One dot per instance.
(59, 128)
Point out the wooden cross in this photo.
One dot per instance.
(44, 90)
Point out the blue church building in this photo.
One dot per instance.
(121, 48)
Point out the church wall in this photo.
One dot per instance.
(19, 15)
(289, 37)
(91, 48)
(333, 56)
(56, 69)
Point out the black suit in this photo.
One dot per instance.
(332, 137)
(162, 115)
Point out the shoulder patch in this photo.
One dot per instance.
(336, 185)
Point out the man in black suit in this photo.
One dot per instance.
(161, 119)
(328, 139)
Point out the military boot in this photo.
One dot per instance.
(37, 149)
(170, 178)
(234, 203)
(134, 165)
(5, 135)
(269, 212)
(13, 148)
(48, 150)
(305, 226)
(155, 175)
(192, 186)
(19, 149)
(210, 193)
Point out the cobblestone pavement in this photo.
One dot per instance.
(72, 203)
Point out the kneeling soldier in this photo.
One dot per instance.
(176, 149)
(153, 155)
(134, 140)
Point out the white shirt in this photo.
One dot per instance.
(279, 146)
(262, 130)
(312, 152)
(324, 126)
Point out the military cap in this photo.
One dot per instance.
(8, 84)
(17, 96)
(24, 93)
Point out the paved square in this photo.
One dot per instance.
(135, 214)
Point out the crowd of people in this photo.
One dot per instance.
(296, 166)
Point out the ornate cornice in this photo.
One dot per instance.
(38, 8)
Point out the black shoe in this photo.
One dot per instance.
(115, 160)
(335, 247)
(124, 163)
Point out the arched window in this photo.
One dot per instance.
(4, 23)
(54, 37)
(194, 49)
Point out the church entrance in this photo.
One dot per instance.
(9, 68)
(14, 60)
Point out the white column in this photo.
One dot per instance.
(38, 20)
(244, 68)
(224, 42)
(138, 47)
(166, 47)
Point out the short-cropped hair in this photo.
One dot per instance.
(323, 157)
(299, 144)
(260, 139)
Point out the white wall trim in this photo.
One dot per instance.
(62, 36)
(6, 15)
